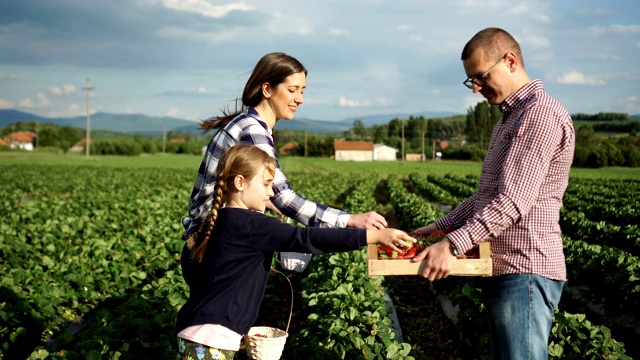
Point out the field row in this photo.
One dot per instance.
(90, 254)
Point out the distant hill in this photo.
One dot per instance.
(125, 123)
(143, 124)
(378, 119)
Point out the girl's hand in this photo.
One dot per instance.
(393, 238)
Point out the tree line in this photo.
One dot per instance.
(611, 140)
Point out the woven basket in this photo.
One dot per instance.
(268, 345)
(270, 342)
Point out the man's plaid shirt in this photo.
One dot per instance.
(523, 179)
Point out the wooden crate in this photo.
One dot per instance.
(462, 267)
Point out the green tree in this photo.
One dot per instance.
(480, 123)
(359, 130)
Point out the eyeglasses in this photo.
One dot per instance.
(480, 81)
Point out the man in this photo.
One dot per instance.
(517, 205)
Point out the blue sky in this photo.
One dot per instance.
(189, 59)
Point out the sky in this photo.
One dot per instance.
(191, 58)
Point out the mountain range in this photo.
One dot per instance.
(144, 124)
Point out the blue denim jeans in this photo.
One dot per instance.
(520, 309)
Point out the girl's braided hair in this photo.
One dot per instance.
(242, 159)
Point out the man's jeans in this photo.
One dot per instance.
(520, 308)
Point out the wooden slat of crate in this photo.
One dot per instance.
(462, 267)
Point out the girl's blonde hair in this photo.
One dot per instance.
(242, 159)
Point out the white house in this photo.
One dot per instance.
(363, 151)
(383, 152)
(20, 140)
(353, 150)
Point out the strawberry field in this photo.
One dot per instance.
(89, 269)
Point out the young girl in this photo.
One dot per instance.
(226, 263)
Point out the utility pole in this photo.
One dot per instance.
(305, 143)
(402, 130)
(434, 149)
(164, 138)
(88, 144)
(423, 157)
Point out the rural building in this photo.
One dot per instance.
(383, 152)
(3, 143)
(79, 146)
(353, 150)
(413, 157)
(287, 148)
(21, 140)
(363, 151)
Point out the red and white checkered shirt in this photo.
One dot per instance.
(523, 179)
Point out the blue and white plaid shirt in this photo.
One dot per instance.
(248, 127)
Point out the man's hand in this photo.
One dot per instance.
(370, 220)
(438, 260)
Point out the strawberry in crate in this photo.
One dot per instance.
(386, 253)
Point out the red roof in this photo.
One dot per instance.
(20, 136)
(3, 143)
(352, 145)
(81, 143)
(286, 148)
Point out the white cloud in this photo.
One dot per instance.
(615, 29)
(316, 101)
(379, 101)
(5, 104)
(339, 32)
(625, 29)
(174, 32)
(536, 42)
(472, 100)
(8, 76)
(44, 101)
(405, 27)
(382, 101)
(26, 103)
(281, 24)
(66, 89)
(344, 102)
(72, 110)
(205, 8)
(574, 77)
(174, 112)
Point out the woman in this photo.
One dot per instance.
(273, 92)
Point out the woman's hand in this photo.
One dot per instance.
(369, 220)
(393, 238)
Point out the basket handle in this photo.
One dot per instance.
(291, 287)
